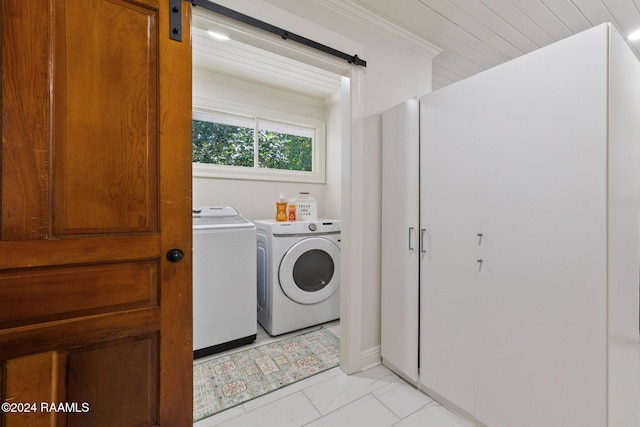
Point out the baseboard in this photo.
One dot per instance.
(370, 357)
(403, 375)
(450, 406)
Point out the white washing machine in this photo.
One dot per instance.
(298, 268)
(224, 280)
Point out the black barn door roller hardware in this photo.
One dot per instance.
(176, 28)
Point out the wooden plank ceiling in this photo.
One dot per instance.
(474, 35)
(478, 34)
(241, 61)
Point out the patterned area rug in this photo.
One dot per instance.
(232, 379)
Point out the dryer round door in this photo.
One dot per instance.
(310, 270)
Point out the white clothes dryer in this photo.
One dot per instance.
(298, 274)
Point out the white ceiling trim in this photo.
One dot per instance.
(376, 22)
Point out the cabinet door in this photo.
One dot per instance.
(541, 302)
(623, 231)
(399, 270)
(447, 259)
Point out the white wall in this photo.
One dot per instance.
(255, 199)
(372, 189)
(395, 72)
(332, 189)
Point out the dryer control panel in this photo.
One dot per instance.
(301, 227)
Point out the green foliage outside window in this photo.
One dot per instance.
(223, 144)
(283, 151)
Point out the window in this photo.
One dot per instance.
(221, 140)
(241, 147)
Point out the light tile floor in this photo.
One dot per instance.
(376, 397)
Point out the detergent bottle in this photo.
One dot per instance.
(291, 209)
(281, 208)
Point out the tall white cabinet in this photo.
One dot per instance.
(400, 309)
(515, 279)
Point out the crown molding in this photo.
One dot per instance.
(374, 21)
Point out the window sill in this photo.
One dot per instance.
(201, 170)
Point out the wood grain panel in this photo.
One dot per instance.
(81, 91)
(39, 253)
(119, 382)
(32, 379)
(77, 332)
(24, 178)
(28, 296)
(176, 297)
(106, 118)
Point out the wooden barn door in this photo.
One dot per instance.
(95, 190)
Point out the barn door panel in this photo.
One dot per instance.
(96, 103)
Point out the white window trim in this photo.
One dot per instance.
(317, 175)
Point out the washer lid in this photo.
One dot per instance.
(215, 211)
(210, 217)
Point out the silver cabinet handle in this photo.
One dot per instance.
(422, 231)
(411, 230)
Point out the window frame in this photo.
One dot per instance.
(317, 173)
